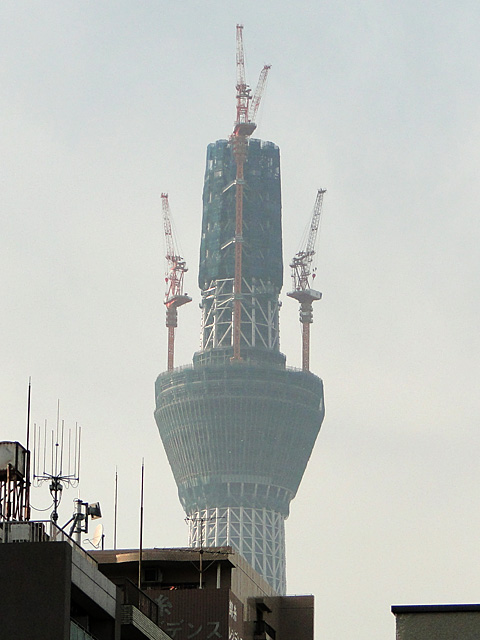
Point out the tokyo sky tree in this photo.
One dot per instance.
(237, 425)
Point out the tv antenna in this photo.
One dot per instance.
(56, 461)
(198, 523)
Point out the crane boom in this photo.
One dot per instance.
(175, 269)
(243, 90)
(302, 261)
(257, 96)
(240, 55)
(317, 212)
(167, 228)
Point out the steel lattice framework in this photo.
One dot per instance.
(257, 534)
(259, 306)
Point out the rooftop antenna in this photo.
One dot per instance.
(27, 471)
(63, 467)
(141, 528)
(83, 511)
(197, 523)
(98, 537)
(115, 510)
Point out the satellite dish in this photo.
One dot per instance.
(97, 539)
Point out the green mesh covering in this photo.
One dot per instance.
(262, 225)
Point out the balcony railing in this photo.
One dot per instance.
(132, 595)
(77, 632)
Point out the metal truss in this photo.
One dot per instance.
(259, 325)
(257, 534)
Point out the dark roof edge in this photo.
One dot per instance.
(433, 608)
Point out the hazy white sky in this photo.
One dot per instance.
(104, 105)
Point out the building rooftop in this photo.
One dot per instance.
(176, 554)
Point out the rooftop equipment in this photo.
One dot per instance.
(56, 462)
(13, 480)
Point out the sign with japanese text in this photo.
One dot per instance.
(200, 614)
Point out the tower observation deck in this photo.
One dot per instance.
(238, 433)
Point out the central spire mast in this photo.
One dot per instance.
(243, 128)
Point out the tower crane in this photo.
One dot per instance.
(244, 126)
(175, 269)
(301, 266)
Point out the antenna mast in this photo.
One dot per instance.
(63, 472)
(27, 474)
(244, 126)
(301, 273)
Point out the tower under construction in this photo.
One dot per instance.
(238, 426)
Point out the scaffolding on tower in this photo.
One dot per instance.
(302, 272)
(175, 269)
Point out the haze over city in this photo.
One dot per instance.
(106, 105)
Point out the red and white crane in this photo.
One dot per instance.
(175, 269)
(301, 266)
(244, 126)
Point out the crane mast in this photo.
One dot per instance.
(175, 269)
(301, 266)
(244, 126)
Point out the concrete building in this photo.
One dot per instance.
(51, 589)
(214, 595)
(238, 433)
(437, 621)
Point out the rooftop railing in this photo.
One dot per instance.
(38, 531)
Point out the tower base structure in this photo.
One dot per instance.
(257, 534)
(238, 437)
